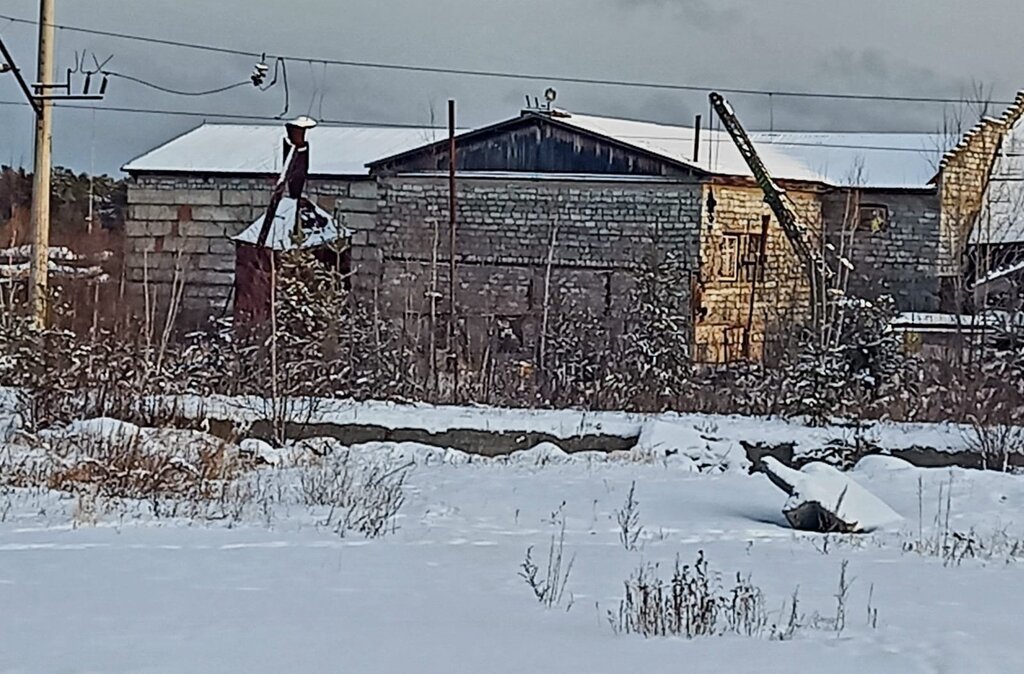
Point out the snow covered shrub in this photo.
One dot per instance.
(654, 358)
(106, 458)
(851, 365)
(692, 603)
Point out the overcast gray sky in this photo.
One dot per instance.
(901, 47)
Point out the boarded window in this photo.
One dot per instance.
(739, 255)
(873, 218)
(750, 262)
(729, 251)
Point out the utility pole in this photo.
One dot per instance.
(43, 167)
(41, 97)
(453, 324)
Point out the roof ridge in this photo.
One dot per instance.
(1006, 120)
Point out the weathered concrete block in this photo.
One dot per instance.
(244, 198)
(364, 189)
(152, 212)
(358, 221)
(196, 197)
(223, 214)
(222, 247)
(357, 205)
(217, 262)
(186, 244)
(212, 278)
(209, 230)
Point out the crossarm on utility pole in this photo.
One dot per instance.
(18, 76)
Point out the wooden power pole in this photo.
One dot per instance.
(43, 167)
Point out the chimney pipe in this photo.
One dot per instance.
(696, 139)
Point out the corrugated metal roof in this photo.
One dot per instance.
(892, 160)
(885, 159)
(257, 149)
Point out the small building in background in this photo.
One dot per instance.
(188, 198)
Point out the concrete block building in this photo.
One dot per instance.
(557, 206)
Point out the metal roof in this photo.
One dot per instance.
(882, 160)
(256, 149)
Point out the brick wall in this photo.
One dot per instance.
(180, 225)
(505, 228)
(781, 294)
(964, 174)
(898, 258)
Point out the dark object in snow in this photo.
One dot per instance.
(811, 516)
(807, 515)
(824, 499)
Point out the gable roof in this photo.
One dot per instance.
(256, 149)
(886, 160)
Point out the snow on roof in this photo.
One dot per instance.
(894, 160)
(886, 159)
(1001, 220)
(318, 227)
(257, 149)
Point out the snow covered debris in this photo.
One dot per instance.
(318, 227)
(822, 498)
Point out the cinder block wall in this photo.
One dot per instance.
(180, 227)
(595, 233)
(902, 258)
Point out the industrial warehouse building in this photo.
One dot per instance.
(554, 207)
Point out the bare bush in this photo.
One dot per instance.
(691, 603)
(362, 497)
(548, 585)
(952, 546)
(628, 518)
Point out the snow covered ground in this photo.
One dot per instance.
(94, 585)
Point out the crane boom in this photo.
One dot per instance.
(818, 270)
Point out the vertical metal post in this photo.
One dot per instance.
(42, 168)
(452, 272)
(758, 267)
(696, 139)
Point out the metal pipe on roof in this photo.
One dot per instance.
(696, 139)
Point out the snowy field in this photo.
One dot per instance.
(270, 582)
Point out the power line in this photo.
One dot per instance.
(222, 115)
(507, 74)
(405, 125)
(177, 92)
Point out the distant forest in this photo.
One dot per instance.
(69, 206)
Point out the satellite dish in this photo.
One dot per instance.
(550, 95)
